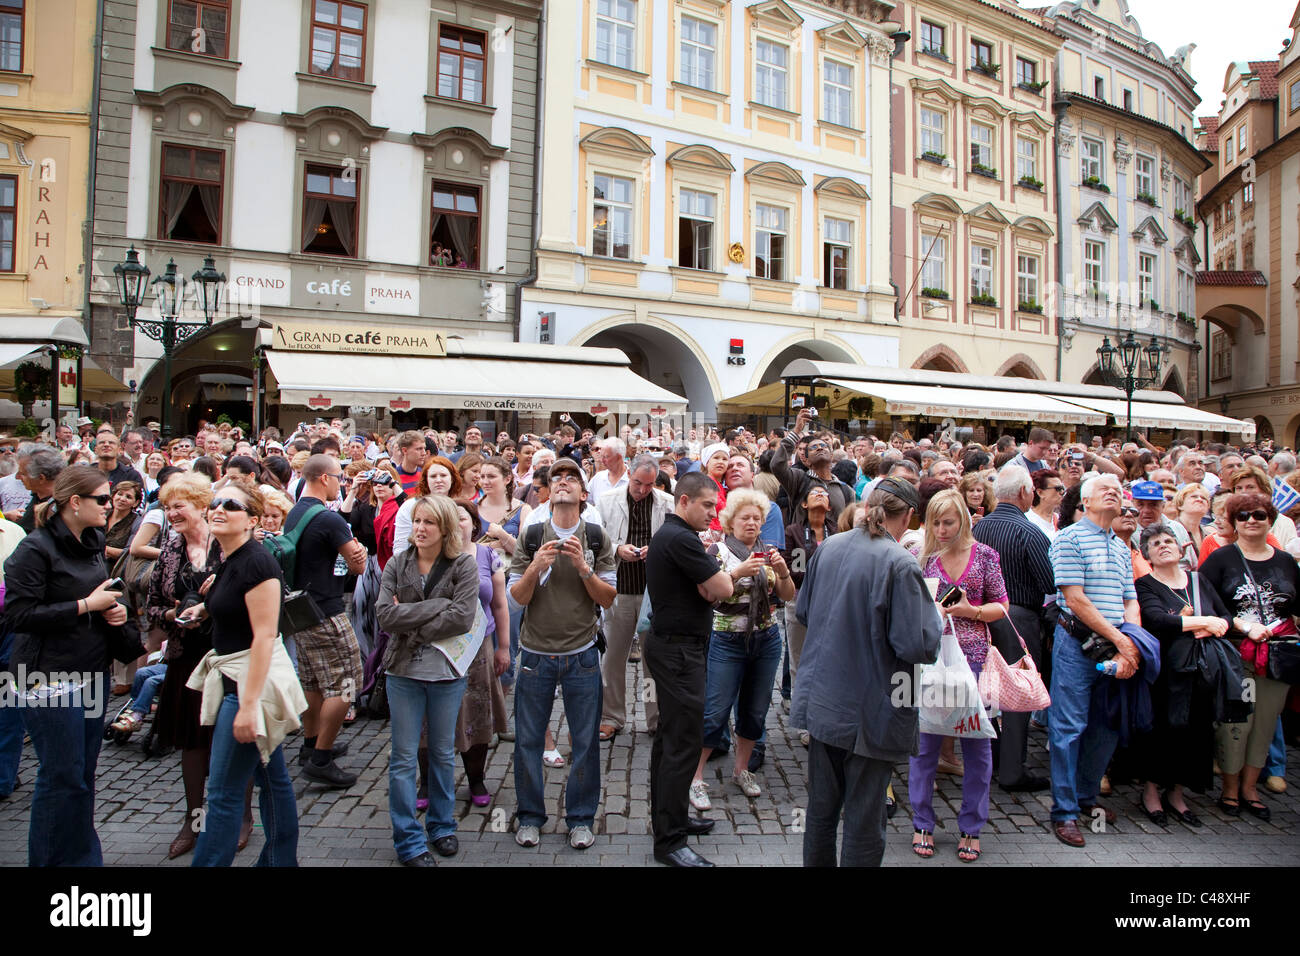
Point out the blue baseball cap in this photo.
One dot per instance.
(1147, 491)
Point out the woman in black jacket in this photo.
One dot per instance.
(68, 628)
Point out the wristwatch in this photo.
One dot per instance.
(590, 572)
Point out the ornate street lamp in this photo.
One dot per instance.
(1121, 366)
(169, 292)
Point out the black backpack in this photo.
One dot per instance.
(595, 539)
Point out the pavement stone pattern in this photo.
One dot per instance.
(141, 803)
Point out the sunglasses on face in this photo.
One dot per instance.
(1259, 515)
(100, 500)
(228, 504)
(1128, 511)
(1059, 489)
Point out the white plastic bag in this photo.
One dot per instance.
(949, 703)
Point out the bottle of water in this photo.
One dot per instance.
(1108, 667)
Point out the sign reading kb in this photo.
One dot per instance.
(362, 340)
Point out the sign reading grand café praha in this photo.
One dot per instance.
(361, 339)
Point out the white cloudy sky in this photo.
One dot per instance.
(1241, 30)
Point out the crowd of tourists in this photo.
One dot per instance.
(233, 593)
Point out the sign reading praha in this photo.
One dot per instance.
(359, 339)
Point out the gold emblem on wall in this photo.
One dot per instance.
(736, 252)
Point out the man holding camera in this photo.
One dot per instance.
(1093, 569)
(796, 482)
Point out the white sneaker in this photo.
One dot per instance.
(528, 836)
(700, 796)
(581, 837)
(804, 738)
(746, 782)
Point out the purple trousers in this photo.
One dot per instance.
(977, 756)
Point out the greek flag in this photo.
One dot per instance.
(1284, 496)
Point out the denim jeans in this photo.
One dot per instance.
(229, 769)
(579, 676)
(66, 737)
(144, 687)
(1275, 766)
(412, 704)
(508, 678)
(1081, 748)
(11, 727)
(744, 671)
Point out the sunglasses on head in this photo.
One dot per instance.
(1259, 514)
(228, 504)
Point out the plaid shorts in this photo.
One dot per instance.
(329, 660)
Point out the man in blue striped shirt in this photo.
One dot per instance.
(1094, 581)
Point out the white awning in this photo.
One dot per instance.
(934, 401)
(42, 330)
(323, 380)
(13, 353)
(1167, 416)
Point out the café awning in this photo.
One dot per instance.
(933, 401)
(492, 376)
(1173, 417)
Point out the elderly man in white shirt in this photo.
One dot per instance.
(612, 453)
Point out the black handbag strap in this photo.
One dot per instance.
(439, 569)
(1259, 599)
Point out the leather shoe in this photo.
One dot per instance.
(446, 846)
(698, 825)
(338, 750)
(683, 857)
(183, 843)
(1067, 831)
(1087, 811)
(331, 774)
(1027, 784)
(424, 859)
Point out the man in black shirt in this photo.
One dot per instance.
(108, 450)
(683, 583)
(329, 659)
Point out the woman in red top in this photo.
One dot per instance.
(387, 497)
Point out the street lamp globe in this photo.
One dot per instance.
(169, 287)
(1107, 355)
(131, 276)
(1154, 354)
(1130, 352)
(210, 283)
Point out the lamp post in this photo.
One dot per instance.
(169, 295)
(1121, 366)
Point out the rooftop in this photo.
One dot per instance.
(1228, 277)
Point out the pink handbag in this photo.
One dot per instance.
(1013, 688)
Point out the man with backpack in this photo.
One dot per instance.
(562, 575)
(316, 552)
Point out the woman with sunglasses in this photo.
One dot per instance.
(1260, 586)
(66, 620)
(1049, 489)
(1125, 525)
(187, 560)
(243, 608)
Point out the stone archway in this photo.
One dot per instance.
(783, 353)
(1263, 428)
(212, 370)
(662, 356)
(940, 358)
(1021, 365)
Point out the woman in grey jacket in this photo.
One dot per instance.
(429, 592)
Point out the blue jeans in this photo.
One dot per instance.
(230, 767)
(144, 687)
(742, 671)
(508, 678)
(1275, 766)
(579, 676)
(11, 727)
(1081, 748)
(412, 704)
(66, 738)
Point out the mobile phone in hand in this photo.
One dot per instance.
(115, 584)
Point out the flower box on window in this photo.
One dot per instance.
(979, 169)
(1184, 317)
(1155, 306)
(930, 156)
(987, 300)
(1093, 182)
(1029, 182)
(938, 54)
(930, 293)
(1147, 198)
(1183, 217)
(1037, 87)
(1030, 306)
(987, 68)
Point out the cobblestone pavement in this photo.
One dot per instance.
(141, 803)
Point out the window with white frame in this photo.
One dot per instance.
(1094, 266)
(932, 39)
(698, 52)
(770, 236)
(1294, 103)
(934, 137)
(695, 229)
(837, 246)
(616, 33)
(1241, 138)
(1227, 149)
(1220, 355)
(981, 271)
(1247, 195)
(1026, 158)
(837, 93)
(1026, 71)
(771, 61)
(1146, 279)
(611, 216)
(1182, 196)
(1027, 280)
(1090, 156)
(934, 274)
(981, 54)
(1186, 292)
(1144, 175)
(981, 146)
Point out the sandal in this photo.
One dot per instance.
(609, 731)
(924, 848)
(967, 854)
(1230, 806)
(1257, 808)
(351, 715)
(552, 758)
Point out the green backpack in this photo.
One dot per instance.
(284, 547)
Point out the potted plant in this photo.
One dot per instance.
(983, 299)
(1031, 306)
(1029, 182)
(27, 428)
(1155, 306)
(932, 156)
(979, 169)
(1037, 87)
(1147, 198)
(932, 293)
(1094, 182)
(31, 384)
(1184, 317)
(987, 68)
